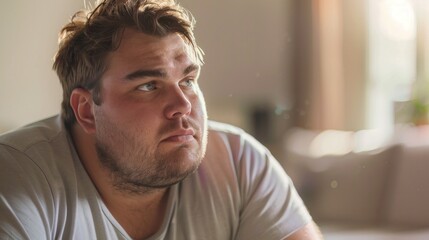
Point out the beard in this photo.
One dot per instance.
(138, 164)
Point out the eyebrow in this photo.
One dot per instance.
(145, 73)
(158, 73)
(191, 68)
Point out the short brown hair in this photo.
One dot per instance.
(90, 35)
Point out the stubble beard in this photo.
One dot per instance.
(135, 168)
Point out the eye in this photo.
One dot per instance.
(188, 83)
(150, 86)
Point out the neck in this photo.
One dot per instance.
(140, 214)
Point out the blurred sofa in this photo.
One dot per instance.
(381, 193)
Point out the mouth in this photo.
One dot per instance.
(180, 136)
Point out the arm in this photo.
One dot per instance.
(308, 232)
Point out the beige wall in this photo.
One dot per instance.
(29, 89)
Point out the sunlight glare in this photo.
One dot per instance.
(397, 19)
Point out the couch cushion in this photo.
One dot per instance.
(409, 197)
(348, 188)
(353, 232)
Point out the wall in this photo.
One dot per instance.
(29, 89)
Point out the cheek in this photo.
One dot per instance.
(132, 116)
(199, 105)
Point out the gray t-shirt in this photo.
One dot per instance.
(238, 192)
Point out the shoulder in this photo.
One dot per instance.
(240, 156)
(39, 151)
(234, 138)
(260, 181)
(25, 160)
(33, 134)
(224, 130)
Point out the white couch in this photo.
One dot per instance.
(377, 194)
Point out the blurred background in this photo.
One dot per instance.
(316, 64)
(307, 78)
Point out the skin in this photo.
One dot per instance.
(308, 232)
(148, 133)
(153, 109)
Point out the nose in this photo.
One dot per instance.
(178, 104)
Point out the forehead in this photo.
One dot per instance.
(137, 47)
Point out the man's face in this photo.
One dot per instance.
(151, 126)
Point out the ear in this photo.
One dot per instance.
(81, 102)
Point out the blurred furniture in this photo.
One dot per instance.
(378, 192)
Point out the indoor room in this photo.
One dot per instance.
(337, 90)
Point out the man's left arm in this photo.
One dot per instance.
(308, 232)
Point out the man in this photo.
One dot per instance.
(132, 155)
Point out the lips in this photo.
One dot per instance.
(183, 135)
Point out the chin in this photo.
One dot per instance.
(188, 160)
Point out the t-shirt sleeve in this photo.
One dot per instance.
(271, 207)
(23, 197)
